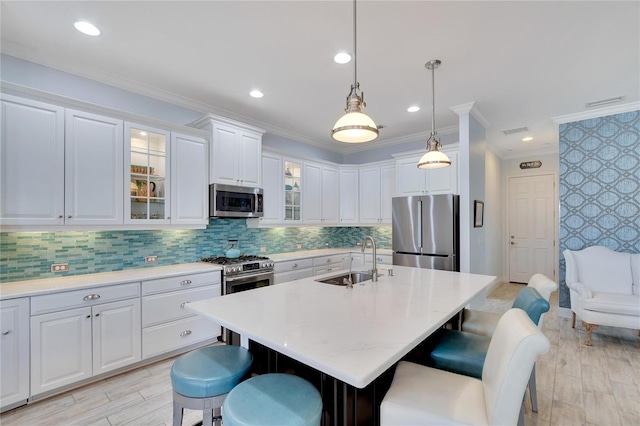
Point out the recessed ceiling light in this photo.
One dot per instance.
(413, 108)
(256, 94)
(527, 139)
(342, 58)
(87, 28)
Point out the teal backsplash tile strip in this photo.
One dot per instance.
(29, 255)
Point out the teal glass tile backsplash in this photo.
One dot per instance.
(29, 255)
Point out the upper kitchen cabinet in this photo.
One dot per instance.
(377, 187)
(235, 156)
(415, 181)
(93, 169)
(148, 186)
(292, 191)
(190, 192)
(321, 194)
(31, 163)
(349, 201)
(273, 187)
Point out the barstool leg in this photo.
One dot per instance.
(532, 390)
(177, 414)
(207, 417)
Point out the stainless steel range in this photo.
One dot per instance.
(243, 273)
(240, 274)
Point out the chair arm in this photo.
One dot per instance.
(581, 289)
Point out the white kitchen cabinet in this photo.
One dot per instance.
(147, 188)
(93, 169)
(320, 194)
(14, 352)
(189, 188)
(292, 270)
(235, 154)
(167, 325)
(273, 187)
(31, 163)
(326, 264)
(75, 343)
(349, 201)
(415, 181)
(377, 187)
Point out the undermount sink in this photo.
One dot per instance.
(356, 277)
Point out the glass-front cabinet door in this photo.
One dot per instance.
(292, 186)
(147, 164)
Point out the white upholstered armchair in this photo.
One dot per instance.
(604, 286)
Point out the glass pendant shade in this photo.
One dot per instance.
(434, 160)
(354, 127)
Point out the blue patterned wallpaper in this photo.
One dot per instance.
(29, 255)
(599, 186)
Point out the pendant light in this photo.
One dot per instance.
(354, 126)
(434, 158)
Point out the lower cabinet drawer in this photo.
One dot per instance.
(284, 277)
(165, 307)
(177, 334)
(292, 265)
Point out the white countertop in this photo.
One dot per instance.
(11, 290)
(353, 334)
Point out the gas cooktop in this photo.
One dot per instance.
(223, 260)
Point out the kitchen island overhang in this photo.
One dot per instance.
(351, 334)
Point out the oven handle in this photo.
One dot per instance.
(249, 277)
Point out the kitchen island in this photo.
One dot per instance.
(350, 334)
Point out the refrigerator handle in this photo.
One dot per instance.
(420, 224)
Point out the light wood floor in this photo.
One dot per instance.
(577, 385)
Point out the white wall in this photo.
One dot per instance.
(477, 153)
(493, 216)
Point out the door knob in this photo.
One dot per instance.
(512, 243)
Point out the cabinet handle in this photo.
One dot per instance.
(88, 316)
(4, 333)
(183, 303)
(168, 217)
(91, 297)
(60, 217)
(185, 282)
(185, 333)
(379, 259)
(328, 260)
(295, 265)
(69, 217)
(98, 314)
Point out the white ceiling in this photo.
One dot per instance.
(522, 63)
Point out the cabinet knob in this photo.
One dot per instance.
(185, 282)
(4, 333)
(185, 333)
(60, 217)
(295, 265)
(183, 303)
(98, 314)
(69, 217)
(168, 217)
(91, 297)
(88, 316)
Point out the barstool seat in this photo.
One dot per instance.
(201, 379)
(273, 399)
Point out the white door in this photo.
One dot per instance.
(369, 195)
(348, 196)
(224, 155)
(117, 338)
(189, 188)
(387, 192)
(531, 227)
(14, 351)
(411, 179)
(60, 349)
(312, 193)
(31, 163)
(330, 196)
(249, 159)
(94, 169)
(273, 187)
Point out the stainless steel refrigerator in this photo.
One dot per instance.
(426, 231)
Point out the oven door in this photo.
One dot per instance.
(246, 282)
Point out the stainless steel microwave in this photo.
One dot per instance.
(235, 201)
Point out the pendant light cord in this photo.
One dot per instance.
(433, 100)
(355, 49)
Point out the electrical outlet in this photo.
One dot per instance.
(60, 267)
(263, 249)
(326, 244)
(150, 259)
(298, 246)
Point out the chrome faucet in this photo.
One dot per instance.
(374, 271)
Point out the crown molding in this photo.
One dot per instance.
(600, 112)
(470, 108)
(528, 154)
(352, 148)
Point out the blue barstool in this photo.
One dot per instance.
(203, 378)
(273, 399)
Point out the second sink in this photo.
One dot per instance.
(356, 277)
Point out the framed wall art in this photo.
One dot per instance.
(478, 214)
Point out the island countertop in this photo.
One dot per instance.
(353, 335)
